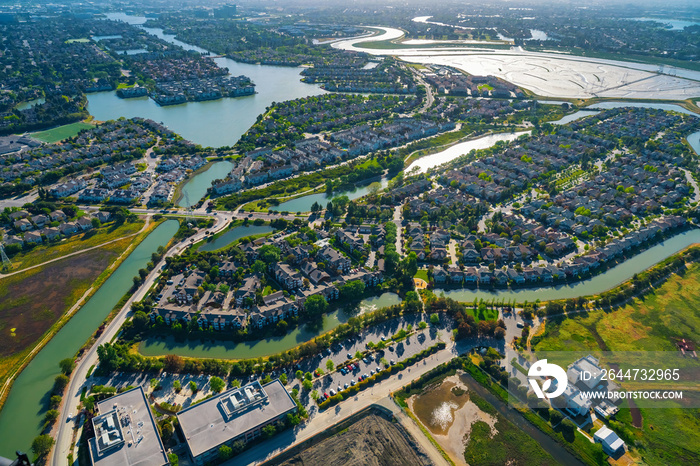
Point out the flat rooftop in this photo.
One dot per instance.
(232, 413)
(125, 432)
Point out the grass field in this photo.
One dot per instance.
(509, 445)
(75, 243)
(667, 436)
(32, 301)
(61, 132)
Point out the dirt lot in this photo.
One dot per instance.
(31, 302)
(371, 441)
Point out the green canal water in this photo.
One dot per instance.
(261, 348)
(21, 417)
(594, 285)
(233, 234)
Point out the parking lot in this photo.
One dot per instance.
(411, 345)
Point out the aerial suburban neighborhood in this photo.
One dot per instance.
(329, 233)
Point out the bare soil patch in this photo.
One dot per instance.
(371, 441)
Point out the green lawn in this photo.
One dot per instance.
(422, 274)
(668, 435)
(61, 132)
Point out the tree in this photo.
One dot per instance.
(51, 416)
(269, 253)
(177, 386)
(55, 401)
(307, 385)
(109, 359)
(225, 452)
(299, 375)
(422, 325)
(329, 365)
(174, 460)
(434, 318)
(283, 379)
(315, 306)
(258, 267)
(173, 363)
(216, 384)
(555, 417)
(95, 222)
(42, 445)
(67, 365)
(499, 333)
(60, 383)
(193, 386)
(269, 430)
(314, 395)
(140, 320)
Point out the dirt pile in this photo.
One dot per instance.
(372, 441)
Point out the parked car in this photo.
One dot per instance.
(352, 382)
(349, 356)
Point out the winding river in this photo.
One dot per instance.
(21, 419)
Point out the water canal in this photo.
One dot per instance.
(424, 164)
(196, 187)
(233, 234)
(594, 285)
(266, 347)
(21, 417)
(304, 203)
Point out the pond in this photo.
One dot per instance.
(261, 348)
(233, 234)
(594, 285)
(424, 164)
(304, 203)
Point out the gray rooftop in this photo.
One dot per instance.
(125, 433)
(232, 413)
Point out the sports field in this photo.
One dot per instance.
(60, 133)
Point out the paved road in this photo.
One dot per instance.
(78, 378)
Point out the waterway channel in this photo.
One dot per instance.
(196, 187)
(423, 164)
(594, 285)
(304, 203)
(266, 347)
(21, 417)
(233, 234)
